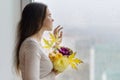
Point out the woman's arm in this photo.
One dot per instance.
(32, 63)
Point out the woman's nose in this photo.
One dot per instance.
(52, 20)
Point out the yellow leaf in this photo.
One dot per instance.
(47, 43)
(74, 61)
(52, 37)
(72, 55)
(77, 61)
(48, 47)
(74, 66)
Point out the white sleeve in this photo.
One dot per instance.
(32, 63)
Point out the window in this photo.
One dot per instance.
(91, 27)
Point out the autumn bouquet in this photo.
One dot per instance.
(60, 56)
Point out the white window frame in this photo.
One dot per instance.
(23, 3)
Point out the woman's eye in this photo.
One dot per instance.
(50, 16)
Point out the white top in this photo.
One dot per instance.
(34, 64)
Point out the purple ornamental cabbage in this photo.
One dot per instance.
(65, 51)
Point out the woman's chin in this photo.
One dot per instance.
(50, 29)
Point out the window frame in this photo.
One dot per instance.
(23, 3)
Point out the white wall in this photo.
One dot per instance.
(9, 16)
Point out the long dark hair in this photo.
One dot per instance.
(31, 22)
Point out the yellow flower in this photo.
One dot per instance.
(55, 56)
(60, 62)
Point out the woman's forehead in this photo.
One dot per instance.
(48, 11)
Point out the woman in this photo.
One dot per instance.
(30, 61)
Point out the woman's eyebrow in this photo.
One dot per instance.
(50, 14)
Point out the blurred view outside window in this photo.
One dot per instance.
(90, 27)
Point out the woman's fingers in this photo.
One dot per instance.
(56, 29)
(58, 32)
(59, 29)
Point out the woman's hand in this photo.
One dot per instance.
(58, 34)
(55, 71)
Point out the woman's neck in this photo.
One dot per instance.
(38, 36)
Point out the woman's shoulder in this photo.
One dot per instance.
(29, 42)
(29, 45)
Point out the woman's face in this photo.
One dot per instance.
(48, 21)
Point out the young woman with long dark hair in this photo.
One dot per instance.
(30, 61)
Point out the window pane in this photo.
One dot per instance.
(91, 27)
